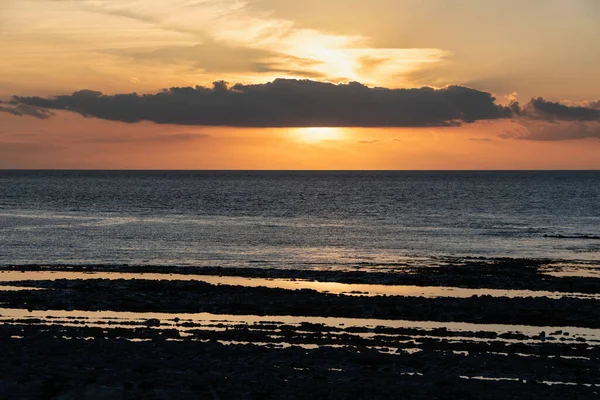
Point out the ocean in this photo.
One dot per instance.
(370, 283)
(281, 219)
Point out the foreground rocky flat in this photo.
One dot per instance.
(117, 339)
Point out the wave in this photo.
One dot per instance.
(575, 236)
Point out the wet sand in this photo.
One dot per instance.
(192, 337)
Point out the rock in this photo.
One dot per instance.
(152, 322)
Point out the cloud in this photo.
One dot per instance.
(22, 147)
(480, 139)
(21, 109)
(213, 57)
(512, 97)
(247, 31)
(592, 104)
(307, 103)
(368, 141)
(284, 103)
(182, 136)
(161, 138)
(550, 121)
(553, 131)
(540, 109)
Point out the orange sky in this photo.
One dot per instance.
(72, 142)
(513, 49)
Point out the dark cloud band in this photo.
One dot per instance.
(285, 103)
(22, 109)
(307, 103)
(538, 108)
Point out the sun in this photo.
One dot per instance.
(317, 134)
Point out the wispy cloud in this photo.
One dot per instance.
(292, 50)
(544, 120)
(145, 138)
(21, 109)
(368, 141)
(552, 131)
(28, 148)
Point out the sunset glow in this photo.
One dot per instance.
(315, 135)
(109, 59)
(299, 199)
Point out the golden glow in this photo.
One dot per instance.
(318, 134)
(75, 142)
(54, 47)
(144, 45)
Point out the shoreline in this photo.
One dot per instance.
(187, 338)
(504, 273)
(193, 297)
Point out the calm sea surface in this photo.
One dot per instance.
(295, 219)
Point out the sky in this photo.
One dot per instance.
(282, 84)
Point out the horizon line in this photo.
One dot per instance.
(286, 170)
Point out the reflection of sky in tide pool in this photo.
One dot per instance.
(329, 287)
(564, 269)
(211, 321)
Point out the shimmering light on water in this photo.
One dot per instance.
(6, 314)
(324, 287)
(326, 220)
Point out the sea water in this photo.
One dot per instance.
(281, 219)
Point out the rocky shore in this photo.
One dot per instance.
(520, 274)
(47, 354)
